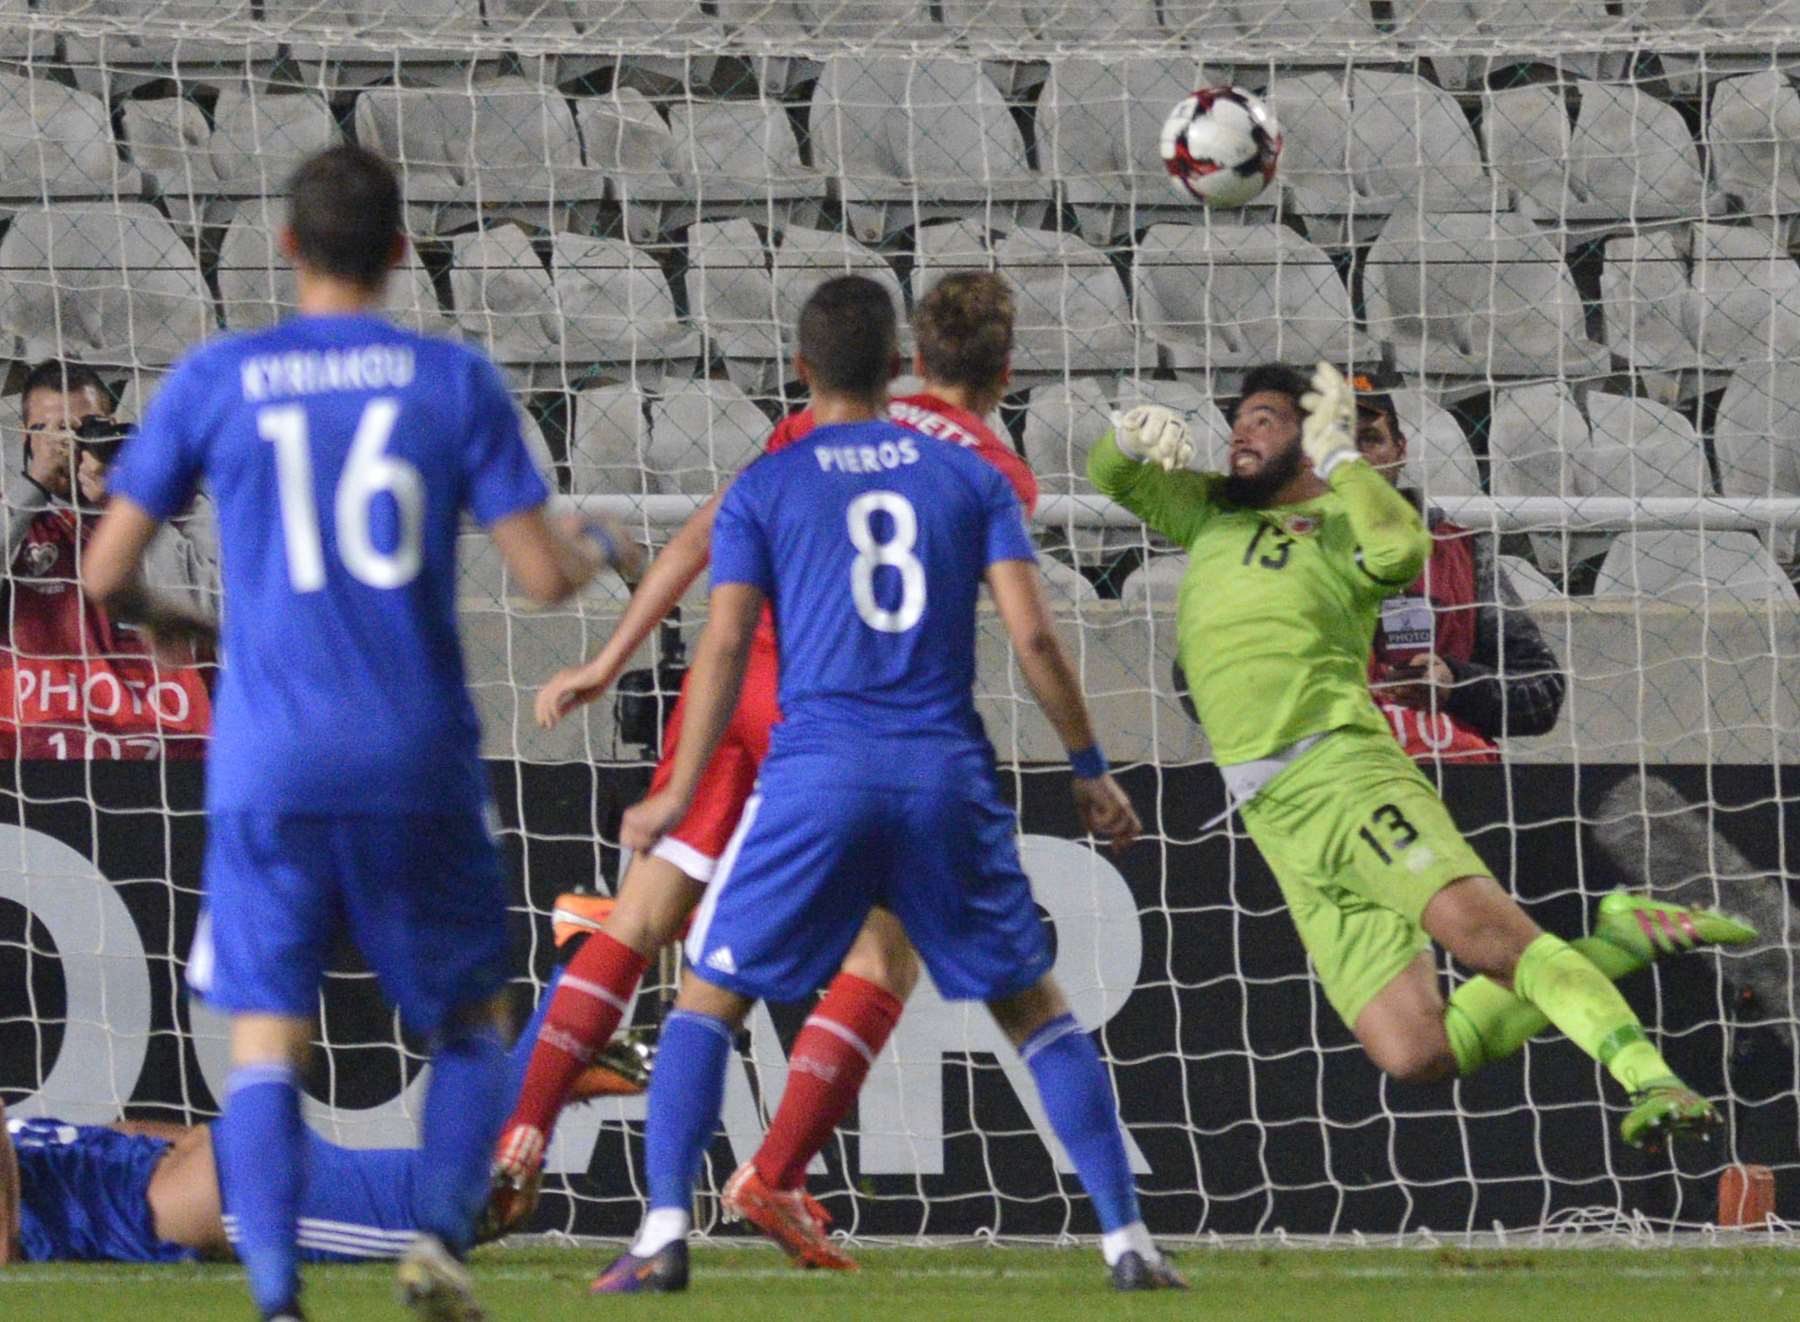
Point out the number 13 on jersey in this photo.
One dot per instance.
(368, 472)
(894, 553)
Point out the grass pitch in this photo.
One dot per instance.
(989, 1284)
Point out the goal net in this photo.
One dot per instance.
(1559, 232)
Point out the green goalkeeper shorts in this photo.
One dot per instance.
(1359, 842)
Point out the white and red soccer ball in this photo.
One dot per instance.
(1221, 146)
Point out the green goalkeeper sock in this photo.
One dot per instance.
(1486, 1023)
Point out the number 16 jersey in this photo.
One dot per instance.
(871, 543)
(342, 452)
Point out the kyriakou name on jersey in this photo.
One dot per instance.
(317, 371)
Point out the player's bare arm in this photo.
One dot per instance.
(9, 1194)
(112, 577)
(663, 585)
(718, 673)
(1018, 591)
(553, 560)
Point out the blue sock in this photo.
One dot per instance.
(260, 1143)
(1077, 1094)
(687, 1092)
(464, 1108)
(518, 1060)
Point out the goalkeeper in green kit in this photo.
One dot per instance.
(1289, 556)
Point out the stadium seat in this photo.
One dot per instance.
(1358, 145)
(1528, 580)
(256, 284)
(622, 35)
(731, 297)
(128, 57)
(1068, 589)
(902, 141)
(502, 149)
(1155, 584)
(1746, 303)
(1756, 438)
(1752, 136)
(1231, 295)
(803, 21)
(1629, 157)
(1070, 305)
(1099, 129)
(462, 49)
(1062, 422)
(1439, 461)
(18, 41)
(701, 434)
(57, 143)
(1476, 295)
(1514, 31)
(1534, 433)
(1646, 298)
(609, 437)
(259, 138)
(627, 140)
(745, 300)
(739, 158)
(1639, 448)
(1292, 24)
(503, 295)
(616, 306)
(106, 282)
(1690, 565)
(168, 139)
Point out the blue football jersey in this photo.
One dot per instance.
(871, 542)
(83, 1194)
(342, 452)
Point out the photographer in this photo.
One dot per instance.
(74, 681)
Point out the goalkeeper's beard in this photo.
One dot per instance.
(1255, 490)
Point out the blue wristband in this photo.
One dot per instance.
(1089, 763)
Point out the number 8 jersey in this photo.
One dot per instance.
(342, 452)
(871, 543)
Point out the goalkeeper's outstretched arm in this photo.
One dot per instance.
(1141, 463)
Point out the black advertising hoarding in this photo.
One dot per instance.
(1249, 1106)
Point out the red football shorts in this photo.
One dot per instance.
(726, 784)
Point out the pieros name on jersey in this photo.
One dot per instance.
(866, 458)
(316, 371)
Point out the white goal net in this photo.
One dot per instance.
(1561, 232)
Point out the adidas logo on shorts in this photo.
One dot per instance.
(721, 960)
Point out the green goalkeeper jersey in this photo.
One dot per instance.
(1277, 610)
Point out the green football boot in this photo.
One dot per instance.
(1666, 1108)
(1651, 928)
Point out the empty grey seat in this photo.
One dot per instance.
(106, 282)
(1689, 565)
(1753, 141)
(57, 143)
(701, 434)
(609, 436)
(901, 141)
(1648, 302)
(1746, 302)
(1477, 295)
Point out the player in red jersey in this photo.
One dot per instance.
(964, 333)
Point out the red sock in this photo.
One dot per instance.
(831, 1059)
(584, 1014)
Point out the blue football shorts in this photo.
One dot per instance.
(422, 896)
(813, 854)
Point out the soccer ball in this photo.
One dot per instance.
(1220, 146)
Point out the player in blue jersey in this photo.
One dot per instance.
(140, 1191)
(344, 789)
(871, 543)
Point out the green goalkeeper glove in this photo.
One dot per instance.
(1330, 407)
(1152, 433)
